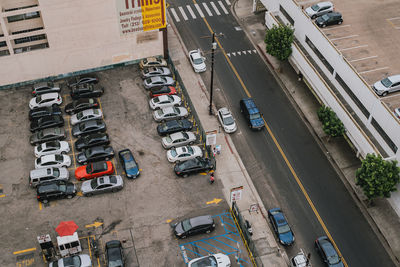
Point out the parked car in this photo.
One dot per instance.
(215, 260)
(55, 190)
(103, 184)
(39, 176)
(193, 166)
(165, 90)
(45, 100)
(194, 226)
(85, 115)
(170, 113)
(197, 60)
(227, 121)
(96, 139)
(155, 71)
(164, 101)
(38, 113)
(328, 252)
(388, 85)
(83, 79)
(129, 163)
(152, 62)
(47, 122)
(331, 18)
(44, 88)
(158, 81)
(174, 126)
(48, 134)
(178, 139)
(95, 153)
(251, 114)
(115, 254)
(281, 226)
(81, 104)
(319, 9)
(300, 260)
(88, 127)
(86, 90)
(52, 160)
(93, 170)
(184, 153)
(51, 147)
(81, 260)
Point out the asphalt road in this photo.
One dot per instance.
(271, 175)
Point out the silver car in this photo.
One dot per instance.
(387, 85)
(53, 160)
(178, 139)
(48, 134)
(184, 153)
(170, 113)
(103, 184)
(227, 121)
(155, 71)
(158, 81)
(85, 115)
(39, 176)
(319, 9)
(82, 260)
(164, 101)
(52, 147)
(45, 100)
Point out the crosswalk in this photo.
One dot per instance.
(184, 13)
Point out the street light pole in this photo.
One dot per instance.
(213, 47)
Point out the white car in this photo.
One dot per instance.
(170, 113)
(319, 9)
(155, 71)
(178, 139)
(184, 153)
(217, 260)
(51, 147)
(82, 260)
(85, 115)
(227, 121)
(164, 101)
(158, 81)
(53, 160)
(45, 100)
(197, 61)
(388, 85)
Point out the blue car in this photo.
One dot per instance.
(129, 164)
(281, 226)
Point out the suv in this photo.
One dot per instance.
(55, 190)
(251, 114)
(40, 176)
(44, 88)
(194, 226)
(319, 9)
(329, 19)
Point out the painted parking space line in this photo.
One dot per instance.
(335, 28)
(364, 58)
(228, 2)
(353, 47)
(368, 71)
(344, 37)
(395, 18)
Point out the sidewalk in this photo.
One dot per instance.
(383, 219)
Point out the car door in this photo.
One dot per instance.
(103, 188)
(395, 87)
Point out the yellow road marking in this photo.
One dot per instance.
(23, 251)
(169, 220)
(72, 145)
(277, 145)
(40, 205)
(95, 224)
(115, 166)
(2, 195)
(215, 200)
(79, 194)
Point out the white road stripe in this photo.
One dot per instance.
(223, 7)
(354, 47)
(227, 2)
(244, 52)
(249, 51)
(373, 70)
(215, 8)
(191, 11)
(199, 10)
(345, 37)
(233, 53)
(183, 13)
(174, 14)
(255, 51)
(337, 27)
(228, 54)
(364, 58)
(394, 18)
(239, 53)
(207, 9)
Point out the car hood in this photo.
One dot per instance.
(132, 172)
(339, 264)
(230, 128)
(32, 102)
(309, 11)
(379, 86)
(286, 238)
(257, 122)
(85, 187)
(179, 229)
(201, 66)
(80, 172)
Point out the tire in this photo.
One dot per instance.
(191, 143)
(323, 26)
(313, 16)
(384, 93)
(45, 201)
(114, 190)
(183, 237)
(89, 195)
(185, 175)
(340, 22)
(70, 196)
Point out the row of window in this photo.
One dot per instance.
(30, 39)
(30, 48)
(30, 15)
(18, 8)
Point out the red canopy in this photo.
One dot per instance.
(66, 228)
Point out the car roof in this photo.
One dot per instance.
(322, 4)
(49, 95)
(99, 165)
(201, 220)
(394, 78)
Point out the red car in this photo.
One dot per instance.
(165, 90)
(93, 170)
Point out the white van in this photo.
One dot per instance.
(39, 176)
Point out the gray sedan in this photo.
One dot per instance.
(103, 184)
(158, 82)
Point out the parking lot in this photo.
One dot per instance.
(139, 215)
(369, 39)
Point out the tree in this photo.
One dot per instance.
(279, 41)
(377, 177)
(331, 124)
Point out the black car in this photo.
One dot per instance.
(194, 226)
(329, 19)
(193, 166)
(129, 163)
(81, 104)
(95, 153)
(86, 90)
(96, 139)
(88, 127)
(44, 88)
(55, 190)
(47, 122)
(328, 252)
(37, 113)
(82, 80)
(48, 134)
(174, 126)
(115, 254)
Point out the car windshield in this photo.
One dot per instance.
(130, 164)
(38, 99)
(79, 115)
(156, 100)
(254, 116)
(63, 188)
(325, 17)
(55, 145)
(59, 157)
(186, 225)
(40, 147)
(168, 139)
(228, 120)
(93, 183)
(386, 82)
(72, 261)
(159, 112)
(198, 60)
(333, 259)
(56, 173)
(283, 229)
(173, 152)
(190, 149)
(315, 7)
(209, 261)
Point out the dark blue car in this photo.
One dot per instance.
(129, 164)
(281, 226)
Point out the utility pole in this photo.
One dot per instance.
(213, 47)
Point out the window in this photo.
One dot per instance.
(30, 48)
(384, 136)
(17, 8)
(30, 39)
(30, 15)
(287, 16)
(3, 43)
(319, 55)
(29, 30)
